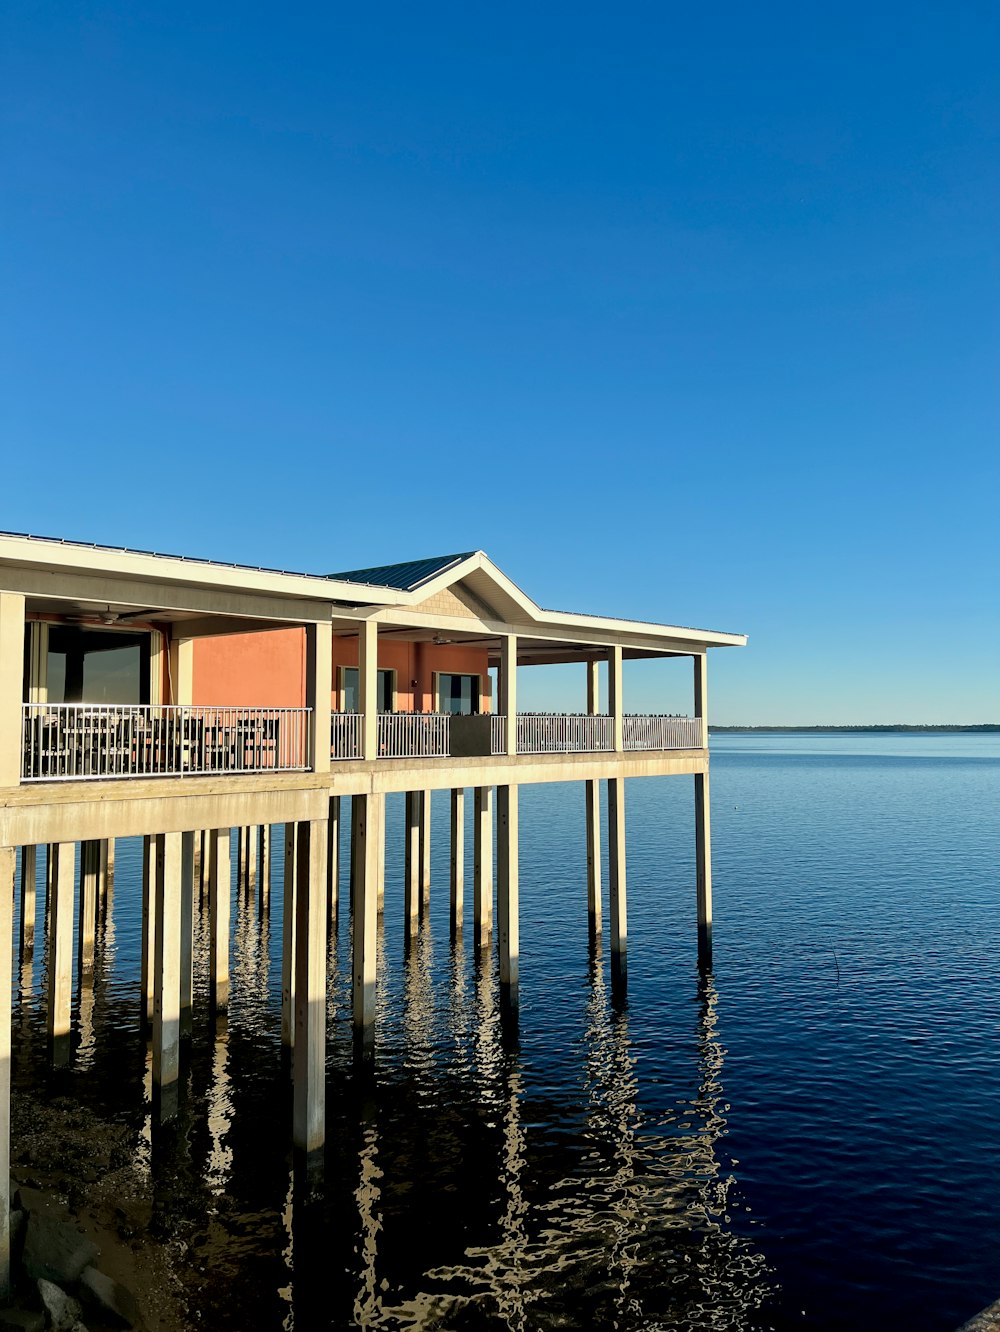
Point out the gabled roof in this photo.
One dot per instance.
(405, 577)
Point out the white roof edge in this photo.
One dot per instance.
(46, 552)
(711, 637)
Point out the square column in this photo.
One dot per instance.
(29, 874)
(319, 682)
(263, 867)
(701, 695)
(148, 944)
(90, 868)
(482, 837)
(592, 804)
(167, 974)
(220, 905)
(8, 859)
(364, 927)
(187, 932)
(288, 938)
(702, 819)
(411, 864)
(508, 935)
(309, 1057)
(368, 687)
(60, 961)
(457, 884)
(615, 697)
(425, 848)
(507, 690)
(333, 861)
(11, 685)
(616, 882)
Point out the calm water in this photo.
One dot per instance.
(809, 1136)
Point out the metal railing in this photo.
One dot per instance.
(82, 741)
(569, 733)
(414, 734)
(498, 733)
(346, 735)
(643, 732)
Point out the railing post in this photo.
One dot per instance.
(11, 686)
(615, 697)
(508, 689)
(368, 687)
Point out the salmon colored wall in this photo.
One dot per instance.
(414, 661)
(268, 669)
(258, 670)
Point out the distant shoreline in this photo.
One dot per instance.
(981, 728)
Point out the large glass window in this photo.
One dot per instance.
(351, 690)
(97, 666)
(458, 693)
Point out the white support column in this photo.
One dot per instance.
(11, 685)
(319, 684)
(309, 1056)
(29, 875)
(457, 859)
(615, 697)
(333, 861)
(187, 932)
(288, 939)
(105, 873)
(220, 905)
(507, 891)
(702, 819)
(376, 820)
(411, 864)
(425, 850)
(148, 943)
(365, 931)
(483, 870)
(368, 687)
(8, 858)
(167, 974)
(507, 690)
(592, 801)
(90, 865)
(263, 868)
(60, 959)
(616, 881)
(182, 670)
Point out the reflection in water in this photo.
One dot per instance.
(470, 1185)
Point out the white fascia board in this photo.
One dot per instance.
(57, 556)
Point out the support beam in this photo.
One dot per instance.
(148, 943)
(457, 859)
(508, 940)
(425, 850)
(220, 905)
(411, 864)
(8, 858)
(90, 867)
(60, 959)
(11, 685)
(333, 862)
(365, 927)
(319, 680)
(703, 866)
(309, 1057)
(615, 697)
(507, 690)
(482, 836)
(368, 687)
(167, 975)
(592, 801)
(617, 909)
(187, 932)
(288, 939)
(29, 875)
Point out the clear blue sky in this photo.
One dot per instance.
(682, 312)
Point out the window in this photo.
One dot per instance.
(350, 690)
(458, 693)
(97, 666)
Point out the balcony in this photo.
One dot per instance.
(92, 742)
(428, 734)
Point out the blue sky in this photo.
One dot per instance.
(688, 313)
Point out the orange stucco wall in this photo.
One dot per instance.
(268, 669)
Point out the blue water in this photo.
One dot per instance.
(806, 1136)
